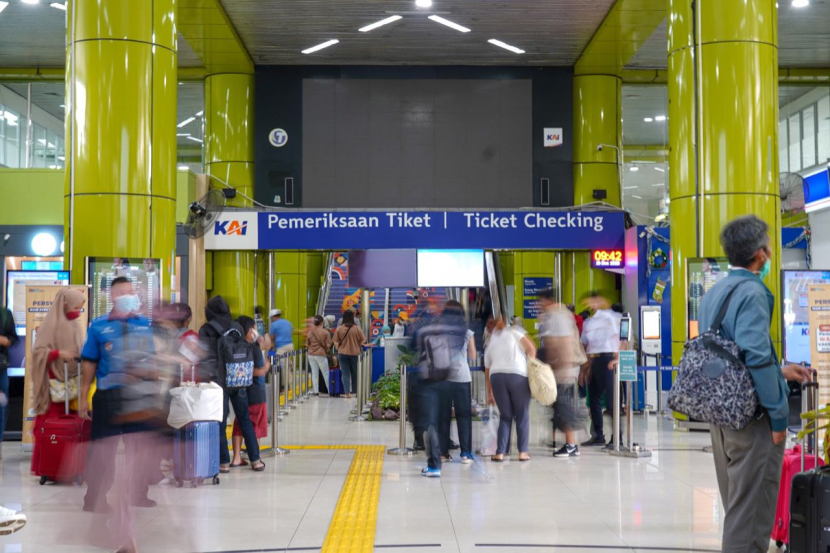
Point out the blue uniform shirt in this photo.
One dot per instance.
(281, 333)
(112, 343)
(747, 323)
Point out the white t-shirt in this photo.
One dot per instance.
(601, 333)
(504, 353)
(460, 363)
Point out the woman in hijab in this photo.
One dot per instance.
(59, 341)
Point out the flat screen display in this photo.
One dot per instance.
(795, 312)
(16, 282)
(383, 269)
(625, 329)
(451, 268)
(651, 324)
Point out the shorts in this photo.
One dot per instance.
(259, 418)
(569, 411)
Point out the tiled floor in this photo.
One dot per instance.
(668, 502)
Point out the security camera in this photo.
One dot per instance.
(599, 148)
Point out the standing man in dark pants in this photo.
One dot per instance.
(111, 340)
(601, 337)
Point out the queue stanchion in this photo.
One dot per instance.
(276, 415)
(354, 411)
(402, 449)
(300, 377)
(306, 373)
(282, 406)
(357, 412)
(367, 389)
(291, 367)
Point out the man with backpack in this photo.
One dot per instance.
(230, 362)
(748, 461)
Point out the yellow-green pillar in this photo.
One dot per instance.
(726, 102)
(229, 158)
(120, 192)
(597, 121)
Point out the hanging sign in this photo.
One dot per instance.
(364, 230)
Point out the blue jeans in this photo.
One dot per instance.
(4, 390)
(426, 397)
(238, 397)
(348, 371)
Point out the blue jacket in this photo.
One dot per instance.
(747, 323)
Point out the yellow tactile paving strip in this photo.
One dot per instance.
(354, 523)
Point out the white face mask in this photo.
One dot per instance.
(127, 304)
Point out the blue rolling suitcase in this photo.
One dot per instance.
(196, 453)
(336, 384)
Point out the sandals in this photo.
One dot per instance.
(525, 459)
(224, 470)
(242, 464)
(258, 468)
(498, 458)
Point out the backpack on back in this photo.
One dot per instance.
(713, 385)
(439, 356)
(234, 356)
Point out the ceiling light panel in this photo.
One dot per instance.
(3, 6)
(451, 25)
(194, 139)
(800, 3)
(423, 3)
(58, 5)
(380, 23)
(30, 1)
(320, 46)
(506, 46)
(186, 121)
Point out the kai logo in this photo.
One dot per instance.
(230, 228)
(553, 137)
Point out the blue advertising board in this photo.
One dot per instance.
(315, 230)
(534, 285)
(532, 309)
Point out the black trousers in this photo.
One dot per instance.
(426, 397)
(458, 395)
(601, 385)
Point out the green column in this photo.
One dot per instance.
(229, 158)
(733, 119)
(120, 191)
(597, 120)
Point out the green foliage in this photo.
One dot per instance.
(388, 391)
(409, 357)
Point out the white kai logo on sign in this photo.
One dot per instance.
(278, 138)
(553, 137)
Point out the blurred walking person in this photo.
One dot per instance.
(349, 340)
(58, 346)
(8, 338)
(281, 332)
(505, 368)
(318, 341)
(562, 350)
(257, 402)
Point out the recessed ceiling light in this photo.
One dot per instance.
(194, 139)
(380, 23)
(631, 187)
(326, 44)
(638, 197)
(423, 3)
(648, 119)
(3, 6)
(660, 184)
(186, 121)
(448, 23)
(660, 169)
(199, 113)
(633, 168)
(62, 106)
(183, 134)
(183, 168)
(800, 3)
(660, 118)
(58, 5)
(501, 44)
(30, 1)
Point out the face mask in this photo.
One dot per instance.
(72, 315)
(127, 304)
(765, 270)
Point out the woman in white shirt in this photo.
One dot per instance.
(505, 368)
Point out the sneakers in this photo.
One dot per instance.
(431, 473)
(467, 458)
(596, 440)
(568, 450)
(10, 521)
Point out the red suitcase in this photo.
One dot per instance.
(795, 461)
(63, 444)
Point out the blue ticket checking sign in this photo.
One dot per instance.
(313, 230)
(534, 285)
(628, 366)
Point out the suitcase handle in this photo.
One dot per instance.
(66, 384)
(809, 398)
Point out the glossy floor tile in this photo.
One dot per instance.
(668, 502)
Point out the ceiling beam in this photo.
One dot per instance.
(794, 75)
(627, 26)
(209, 31)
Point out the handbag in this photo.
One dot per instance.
(59, 390)
(713, 385)
(542, 381)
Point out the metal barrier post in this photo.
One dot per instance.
(283, 409)
(402, 449)
(616, 408)
(357, 412)
(275, 450)
(307, 373)
(301, 391)
(367, 390)
(291, 393)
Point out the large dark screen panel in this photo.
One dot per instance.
(383, 269)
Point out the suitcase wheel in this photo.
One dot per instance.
(79, 480)
(43, 480)
(215, 480)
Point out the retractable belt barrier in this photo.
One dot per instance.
(363, 386)
(402, 449)
(276, 412)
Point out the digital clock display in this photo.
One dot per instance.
(607, 259)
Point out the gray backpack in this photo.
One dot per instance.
(713, 385)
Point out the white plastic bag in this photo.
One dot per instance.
(200, 402)
(489, 431)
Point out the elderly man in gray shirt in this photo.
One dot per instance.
(748, 462)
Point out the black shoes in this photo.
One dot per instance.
(595, 441)
(418, 447)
